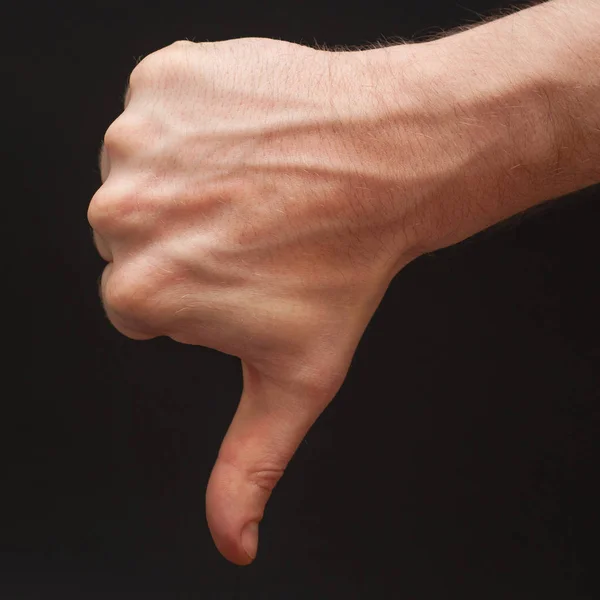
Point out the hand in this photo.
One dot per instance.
(246, 206)
(259, 196)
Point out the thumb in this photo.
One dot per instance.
(269, 424)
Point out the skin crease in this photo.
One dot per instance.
(259, 196)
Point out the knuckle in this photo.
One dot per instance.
(265, 479)
(98, 212)
(121, 296)
(159, 68)
(263, 473)
(110, 210)
(157, 61)
(145, 69)
(114, 134)
(132, 297)
(164, 65)
(137, 77)
(125, 133)
(126, 329)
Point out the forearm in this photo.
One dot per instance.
(521, 96)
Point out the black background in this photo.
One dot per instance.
(460, 458)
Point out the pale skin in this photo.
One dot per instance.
(259, 196)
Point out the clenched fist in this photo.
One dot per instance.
(259, 196)
(243, 209)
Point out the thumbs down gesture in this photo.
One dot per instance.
(250, 203)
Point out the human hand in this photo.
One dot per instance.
(259, 196)
(246, 207)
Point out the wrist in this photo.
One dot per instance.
(537, 74)
(492, 121)
(467, 146)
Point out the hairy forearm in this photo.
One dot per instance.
(548, 57)
(518, 107)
